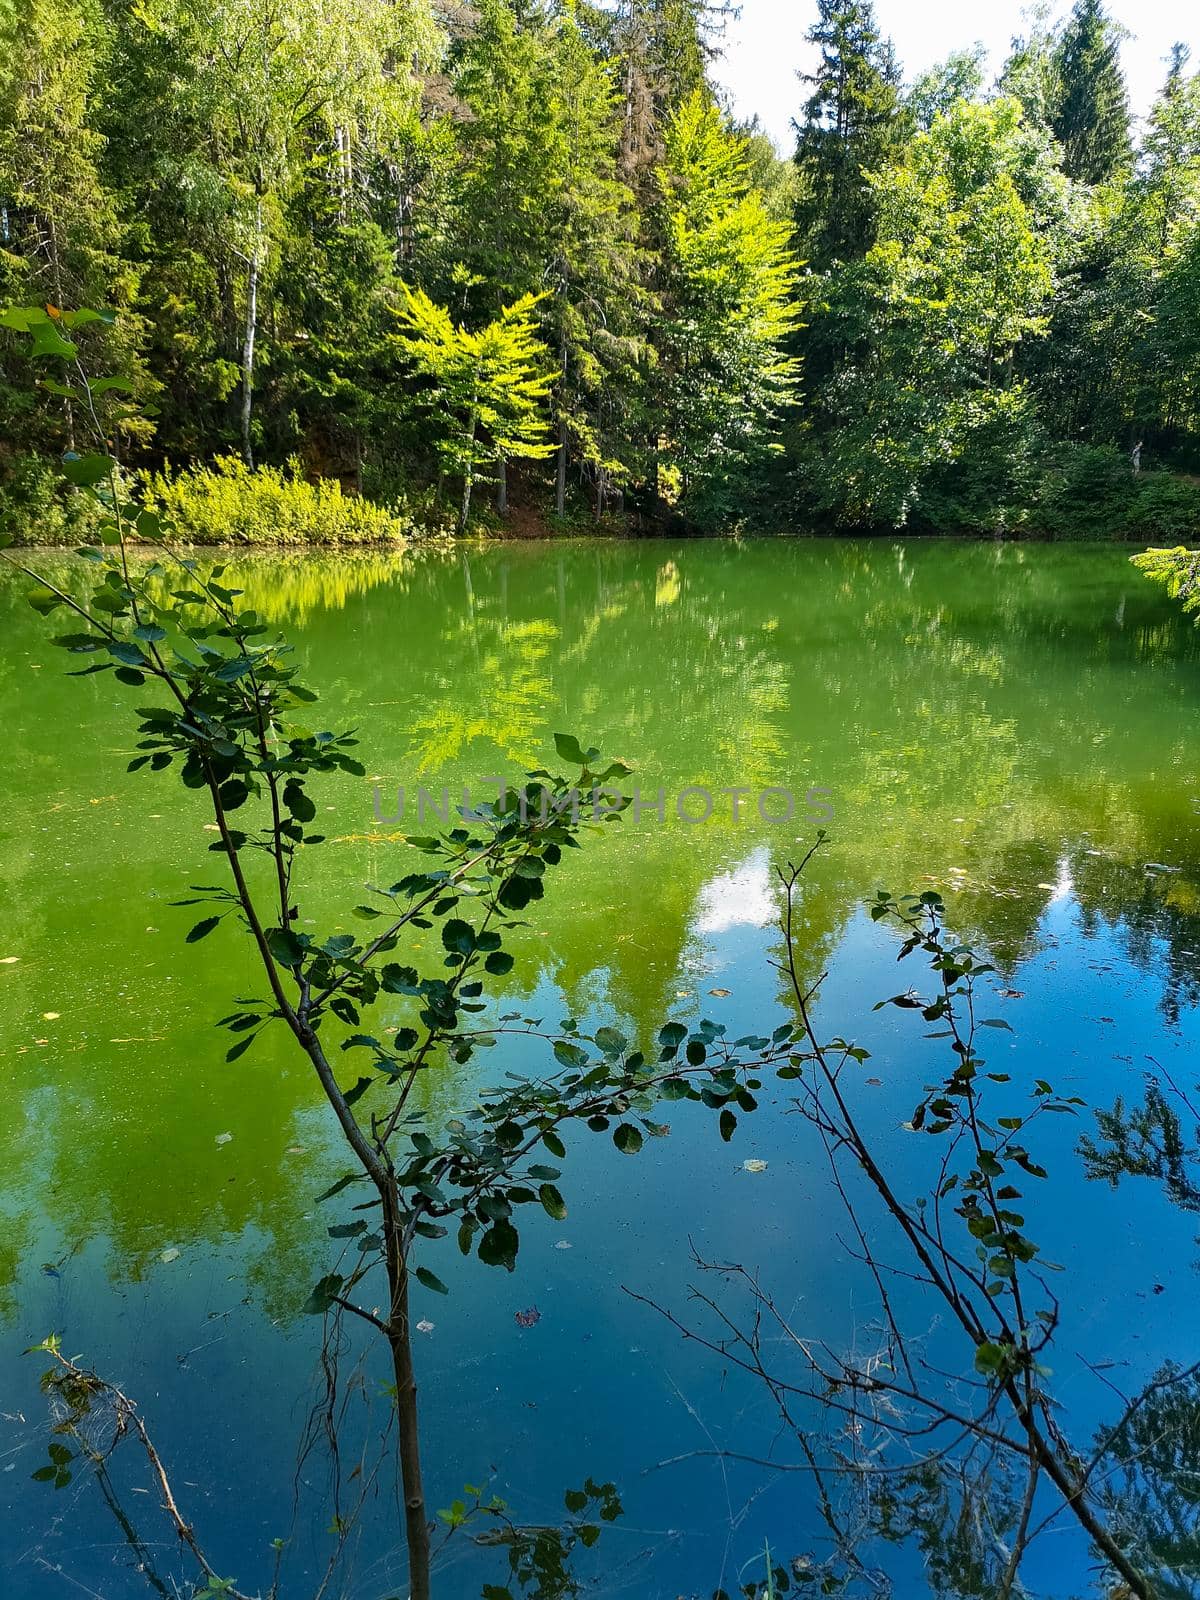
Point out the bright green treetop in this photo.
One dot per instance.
(489, 388)
(726, 371)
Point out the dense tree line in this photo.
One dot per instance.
(422, 244)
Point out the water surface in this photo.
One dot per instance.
(1015, 725)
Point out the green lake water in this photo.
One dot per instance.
(1016, 725)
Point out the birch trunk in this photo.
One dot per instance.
(249, 334)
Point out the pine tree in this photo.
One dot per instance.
(850, 125)
(1171, 150)
(596, 313)
(1090, 117)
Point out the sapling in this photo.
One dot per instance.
(219, 703)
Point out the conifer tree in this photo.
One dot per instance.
(849, 125)
(1091, 114)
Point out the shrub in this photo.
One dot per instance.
(1087, 492)
(1166, 508)
(36, 508)
(230, 503)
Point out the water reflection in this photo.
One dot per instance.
(1015, 725)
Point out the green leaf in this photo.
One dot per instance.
(323, 1295)
(498, 1246)
(202, 930)
(84, 315)
(552, 1202)
(570, 1055)
(458, 936)
(86, 471)
(285, 947)
(44, 600)
(297, 802)
(336, 1188)
(498, 963)
(569, 749)
(23, 318)
(47, 341)
(989, 1358)
(431, 1281)
(627, 1139)
(128, 653)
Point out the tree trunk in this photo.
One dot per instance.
(599, 493)
(250, 332)
(469, 470)
(55, 258)
(399, 1333)
(501, 485)
(560, 482)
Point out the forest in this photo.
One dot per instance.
(513, 264)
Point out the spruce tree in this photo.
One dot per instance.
(850, 124)
(1090, 118)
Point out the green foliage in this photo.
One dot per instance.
(231, 503)
(36, 508)
(488, 389)
(725, 373)
(959, 276)
(539, 1558)
(1177, 570)
(959, 77)
(257, 189)
(1090, 114)
(1090, 492)
(851, 125)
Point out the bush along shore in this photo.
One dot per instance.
(1092, 496)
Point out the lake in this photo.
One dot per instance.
(1015, 725)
